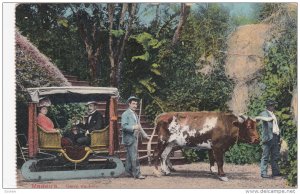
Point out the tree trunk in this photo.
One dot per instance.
(157, 20)
(182, 19)
(117, 47)
(122, 17)
(92, 49)
(124, 42)
(113, 70)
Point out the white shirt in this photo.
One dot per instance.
(275, 123)
(90, 116)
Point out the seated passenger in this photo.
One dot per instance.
(94, 122)
(42, 120)
(73, 134)
(46, 123)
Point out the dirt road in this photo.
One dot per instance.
(187, 176)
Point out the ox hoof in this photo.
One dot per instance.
(157, 173)
(223, 178)
(165, 173)
(213, 170)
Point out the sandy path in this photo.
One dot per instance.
(194, 175)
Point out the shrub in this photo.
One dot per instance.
(243, 154)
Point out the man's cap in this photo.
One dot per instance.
(132, 98)
(270, 102)
(91, 102)
(44, 102)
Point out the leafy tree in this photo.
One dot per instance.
(55, 35)
(91, 38)
(142, 72)
(88, 19)
(181, 87)
(118, 37)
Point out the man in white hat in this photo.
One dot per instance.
(130, 128)
(42, 120)
(94, 122)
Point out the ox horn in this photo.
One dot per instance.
(253, 119)
(242, 117)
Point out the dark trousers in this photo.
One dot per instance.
(270, 150)
(86, 140)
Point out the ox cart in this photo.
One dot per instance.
(49, 160)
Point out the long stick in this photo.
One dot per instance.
(141, 103)
(138, 133)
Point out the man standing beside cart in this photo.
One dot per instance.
(131, 129)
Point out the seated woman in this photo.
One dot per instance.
(42, 120)
(46, 123)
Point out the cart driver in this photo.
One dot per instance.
(42, 120)
(94, 122)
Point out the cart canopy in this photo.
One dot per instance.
(72, 94)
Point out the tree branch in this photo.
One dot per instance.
(122, 17)
(183, 16)
(111, 9)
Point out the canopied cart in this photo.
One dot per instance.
(50, 160)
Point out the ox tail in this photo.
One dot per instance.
(150, 141)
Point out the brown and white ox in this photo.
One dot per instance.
(215, 131)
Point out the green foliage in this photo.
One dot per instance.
(144, 72)
(181, 87)
(289, 132)
(64, 22)
(206, 30)
(268, 9)
(55, 36)
(243, 154)
(148, 43)
(65, 115)
(278, 80)
(117, 33)
(194, 155)
(184, 89)
(190, 155)
(148, 84)
(239, 20)
(147, 40)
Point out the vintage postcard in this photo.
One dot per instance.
(141, 95)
